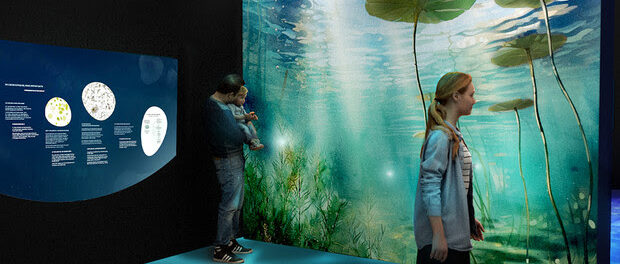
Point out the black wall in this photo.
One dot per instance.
(616, 79)
(172, 211)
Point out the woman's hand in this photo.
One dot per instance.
(439, 250)
(479, 229)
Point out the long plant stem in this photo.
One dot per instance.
(583, 135)
(544, 140)
(527, 207)
(471, 254)
(486, 177)
(480, 202)
(417, 74)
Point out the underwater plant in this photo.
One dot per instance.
(363, 244)
(292, 201)
(524, 50)
(485, 209)
(256, 199)
(330, 207)
(543, 4)
(516, 105)
(423, 11)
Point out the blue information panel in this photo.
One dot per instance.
(79, 124)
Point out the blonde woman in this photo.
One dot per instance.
(444, 219)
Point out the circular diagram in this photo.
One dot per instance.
(58, 112)
(98, 100)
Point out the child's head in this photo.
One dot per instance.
(240, 100)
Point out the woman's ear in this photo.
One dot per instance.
(456, 96)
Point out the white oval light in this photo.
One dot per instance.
(153, 130)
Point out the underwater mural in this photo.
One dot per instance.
(339, 87)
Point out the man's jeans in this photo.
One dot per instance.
(229, 171)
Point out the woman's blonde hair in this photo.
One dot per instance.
(449, 84)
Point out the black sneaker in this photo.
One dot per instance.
(238, 249)
(223, 254)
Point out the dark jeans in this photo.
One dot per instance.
(229, 171)
(454, 256)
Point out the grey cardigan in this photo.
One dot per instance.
(441, 192)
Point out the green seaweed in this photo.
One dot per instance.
(473, 257)
(485, 209)
(364, 235)
(424, 11)
(292, 201)
(486, 218)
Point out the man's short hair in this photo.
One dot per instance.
(230, 84)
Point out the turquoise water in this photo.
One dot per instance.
(339, 84)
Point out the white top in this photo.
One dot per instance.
(467, 168)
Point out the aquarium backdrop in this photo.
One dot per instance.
(341, 87)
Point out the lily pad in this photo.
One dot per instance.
(517, 104)
(515, 52)
(520, 3)
(429, 11)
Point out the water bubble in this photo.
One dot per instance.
(581, 195)
(533, 222)
(591, 223)
(575, 206)
(557, 261)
